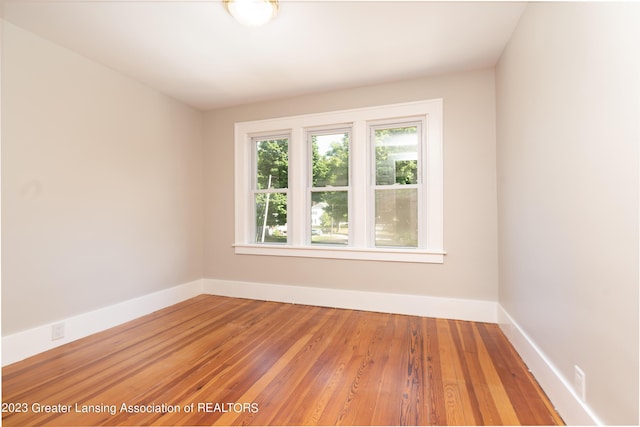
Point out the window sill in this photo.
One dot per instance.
(369, 254)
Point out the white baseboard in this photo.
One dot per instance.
(570, 407)
(415, 305)
(574, 411)
(27, 343)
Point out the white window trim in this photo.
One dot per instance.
(432, 242)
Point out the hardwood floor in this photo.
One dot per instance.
(223, 361)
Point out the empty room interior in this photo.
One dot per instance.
(356, 213)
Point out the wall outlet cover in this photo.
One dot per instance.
(57, 331)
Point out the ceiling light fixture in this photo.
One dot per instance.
(252, 13)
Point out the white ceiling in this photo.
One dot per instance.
(195, 52)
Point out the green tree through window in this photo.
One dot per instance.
(272, 172)
(330, 173)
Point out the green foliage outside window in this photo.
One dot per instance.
(272, 172)
(395, 159)
(330, 168)
(396, 155)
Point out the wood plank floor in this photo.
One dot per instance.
(224, 361)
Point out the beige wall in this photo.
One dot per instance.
(101, 185)
(568, 130)
(470, 268)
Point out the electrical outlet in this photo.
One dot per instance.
(580, 383)
(57, 331)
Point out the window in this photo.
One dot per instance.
(270, 188)
(329, 186)
(397, 183)
(353, 184)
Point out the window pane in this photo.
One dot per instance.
(397, 217)
(271, 218)
(330, 157)
(330, 217)
(272, 163)
(396, 155)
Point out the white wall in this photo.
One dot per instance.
(470, 235)
(568, 133)
(101, 185)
